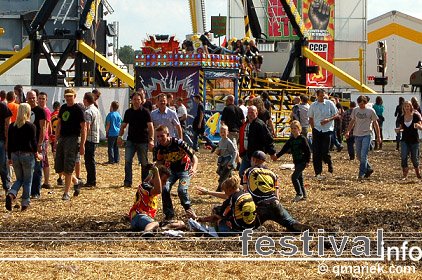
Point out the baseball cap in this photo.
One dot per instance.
(259, 155)
(70, 91)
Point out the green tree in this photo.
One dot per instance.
(127, 55)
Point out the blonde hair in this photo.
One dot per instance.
(24, 113)
(223, 126)
(407, 103)
(297, 124)
(231, 183)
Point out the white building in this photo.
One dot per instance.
(403, 36)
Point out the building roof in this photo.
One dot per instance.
(394, 14)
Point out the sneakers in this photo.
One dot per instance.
(320, 177)
(24, 208)
(339, 149)
(368, 173)
(78, 187)
(60, 182)
(9, 201)
(35, 196)
(46, 186)
(361, 179)
(66, 196)
(297, 198)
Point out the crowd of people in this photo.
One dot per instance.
(27, 127)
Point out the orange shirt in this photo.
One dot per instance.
(14, 108)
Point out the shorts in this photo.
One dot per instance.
(66, 154)
(45, 163)
(140, 221)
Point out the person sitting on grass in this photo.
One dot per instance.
(142, 213)
(262, 184)
(301, 153)
(237, 213)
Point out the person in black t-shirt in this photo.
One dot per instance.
(70, 126)
(180, 158)
(140, 137)
(198, 126)
(38, 118)
(232, 116)
(22, 153)
(145, 103)
(237, 213)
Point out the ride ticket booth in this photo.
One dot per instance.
(213, 77)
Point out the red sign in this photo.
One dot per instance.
(324, 49)
(278, 25)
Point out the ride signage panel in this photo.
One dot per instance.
(318, 17)
(218, 25)
(278, 26)
(323, 78)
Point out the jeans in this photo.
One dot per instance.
(195, 136)
(351, 147)
(223, 230)
(4, 167)
(274, 212)
(413, 149)
(182, 191)
(113, 150)
(140, 221)
(362, 149)
(297, 178)
(321, 149)
(91, 173)
(142, 150)
(245, 164)
(187, 139)
(334, 140)
(380, 124)
(36, 178)
(23, 164)
(398, 135)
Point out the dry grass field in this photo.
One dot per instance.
(95, 224)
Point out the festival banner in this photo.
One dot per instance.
(323, 78)
(318, 17)
(278, 26)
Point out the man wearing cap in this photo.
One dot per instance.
(262, 184)
(70, 138)
(254, 135)
(198, 126)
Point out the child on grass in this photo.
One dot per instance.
(301, 153)
(227, 153)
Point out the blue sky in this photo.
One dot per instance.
(139, 17)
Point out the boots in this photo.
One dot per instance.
(405, 172)
(418, 174)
